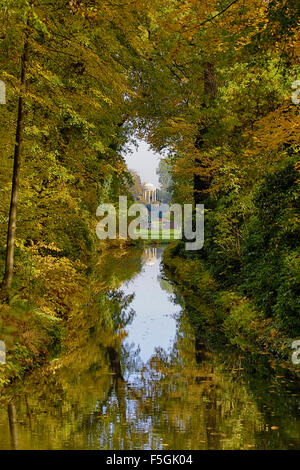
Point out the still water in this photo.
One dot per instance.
(146, 379)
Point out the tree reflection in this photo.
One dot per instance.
(201, 394)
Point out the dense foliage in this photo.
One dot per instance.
(226, 109)
(210, 82)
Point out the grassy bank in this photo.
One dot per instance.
(159, 236)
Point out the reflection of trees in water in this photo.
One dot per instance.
(55, 403)
(175, 401)
(131, 359)
(196, 397)
(12, 417)
(200, 394)
(179, 398)
(119, 309)
(165, 284)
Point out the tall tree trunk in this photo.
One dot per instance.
(202, 181)
(11, 231)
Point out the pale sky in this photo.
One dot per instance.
(145, 162)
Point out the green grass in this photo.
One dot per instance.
(158, 236)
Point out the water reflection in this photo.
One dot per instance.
(150, 256)
(135, 375)
(154, 324)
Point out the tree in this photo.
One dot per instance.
(76, 62)
(136, 187)
(11, 232)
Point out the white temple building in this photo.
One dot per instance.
(149, 192)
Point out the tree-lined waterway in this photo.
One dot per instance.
(161, 385)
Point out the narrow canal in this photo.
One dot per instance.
(159, 385)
